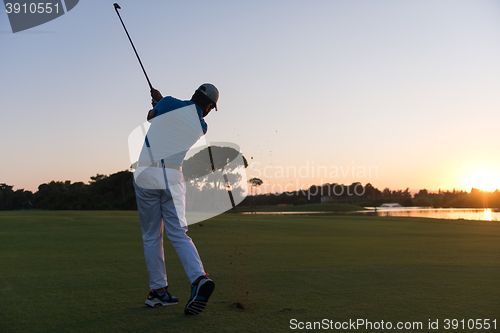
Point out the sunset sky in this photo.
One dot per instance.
(393, 93)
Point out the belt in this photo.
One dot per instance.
(160, 165)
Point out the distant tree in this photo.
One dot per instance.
(423, 193)
(6, 196)
(104, 192)
(53, 196)
(201, 180)
(97, 178)
(199, 164)
(11, 200)
(386, 193)
(423, 199)
(115, 191)
(255, 182)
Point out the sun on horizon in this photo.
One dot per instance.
(485, 180)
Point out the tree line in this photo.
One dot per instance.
(369, 196)
(103, 192)
(116, 192)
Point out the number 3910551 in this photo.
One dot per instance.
(32, 8)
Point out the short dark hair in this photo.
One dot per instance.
(201, 99)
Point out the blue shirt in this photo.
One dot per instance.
(169, 103)
(173, 131)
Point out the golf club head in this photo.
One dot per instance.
(117, 6)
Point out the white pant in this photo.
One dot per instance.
(165, 207)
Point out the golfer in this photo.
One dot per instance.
(160, 190)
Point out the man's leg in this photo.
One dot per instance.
(173, 212)
(149, 206)
(176, 227)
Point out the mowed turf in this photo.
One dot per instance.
(85, 272)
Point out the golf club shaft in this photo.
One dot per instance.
(130, 39)
(211, 158)
(228, 185)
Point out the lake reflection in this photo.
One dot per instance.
(485, 214)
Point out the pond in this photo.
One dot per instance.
(483, 214)
(283, 213)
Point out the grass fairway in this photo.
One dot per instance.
(315, 207)
(85, 272)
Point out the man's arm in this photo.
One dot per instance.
(151, 114)
(156, 96)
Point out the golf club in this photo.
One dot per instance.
(228, 185)
(130, 39)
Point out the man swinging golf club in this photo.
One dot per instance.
(160, 190)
